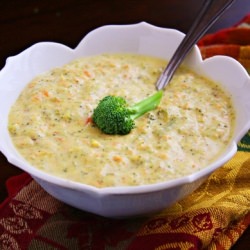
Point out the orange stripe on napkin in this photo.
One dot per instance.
(233, 42)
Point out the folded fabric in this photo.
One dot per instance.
(212, 217)
(233, 41)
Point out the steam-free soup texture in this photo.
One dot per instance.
(50, 123)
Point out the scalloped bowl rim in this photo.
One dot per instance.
(84, 48)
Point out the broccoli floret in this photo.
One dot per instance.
(114, 116)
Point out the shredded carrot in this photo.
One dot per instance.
(89, 120)
(126, 66)
(117, 158)
(87, 73)
(60, 139)
(45, 93)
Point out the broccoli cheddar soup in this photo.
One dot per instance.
(51, 126)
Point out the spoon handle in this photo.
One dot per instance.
(210, 11)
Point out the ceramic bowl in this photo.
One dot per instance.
(141, 38)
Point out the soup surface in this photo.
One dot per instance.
(50, 123)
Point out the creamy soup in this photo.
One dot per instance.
(50, 123)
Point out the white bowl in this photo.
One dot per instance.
(140, 38)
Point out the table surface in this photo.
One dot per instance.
(23, 23)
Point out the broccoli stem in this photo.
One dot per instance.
(145, 105)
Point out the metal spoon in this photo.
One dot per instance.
(210, 11)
